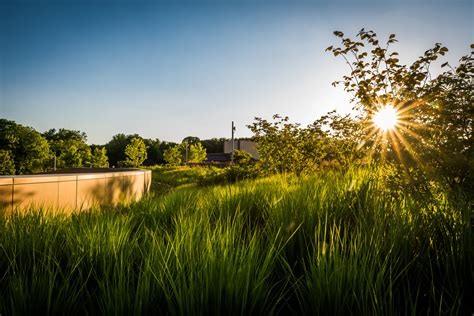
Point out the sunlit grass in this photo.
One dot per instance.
(331, 243)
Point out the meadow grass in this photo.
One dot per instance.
(332, 243)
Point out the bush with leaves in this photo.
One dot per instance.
(28, 149)
(173, 155)
(99, 158)
(197, 153)
(242, 158)
(135, 152)
(7, 165)
(231, 174)
(286, 147)
(69, 147)
(434, 138)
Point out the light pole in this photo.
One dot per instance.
(232, 140)
(186, 148)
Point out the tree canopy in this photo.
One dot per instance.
(432, 138)
(434, 135)
(173, 155)
(197, 153)
(69, 147)
(135, 152)
(99, 158)
(25, 146)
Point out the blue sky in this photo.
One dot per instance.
(171, 69)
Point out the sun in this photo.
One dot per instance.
(386, 118)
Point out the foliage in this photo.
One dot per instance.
(330, 244)
(282, 145)
(135, 152)
(241, 157)
(449, 120)
(435, 139)
(155, 149)
(332, 139)
(344, 139)
(193, 152)
(197, 153)
(69, 147)
(191, 140)
(116, 148)
(99, 158)
(213, 145)
(173, 155)
(28, 149)
(7, 164)
(166, 178)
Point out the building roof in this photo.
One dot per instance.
(218, 157)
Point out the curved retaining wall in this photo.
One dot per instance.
(72, 191)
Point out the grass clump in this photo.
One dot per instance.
(330, 243)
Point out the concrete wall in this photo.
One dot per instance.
(246, 145)
(70, 192)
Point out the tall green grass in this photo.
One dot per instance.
(331, 243)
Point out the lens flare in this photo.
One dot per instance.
(386, 118)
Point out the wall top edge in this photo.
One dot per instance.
(9, 180)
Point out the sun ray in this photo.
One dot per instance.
(385, 118)
(390, 131)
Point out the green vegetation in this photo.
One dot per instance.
(189, 151)
(431, 138)
(28, 149)
(7, 165)
(170, 178)
(69, 148)
(197, 153)
(154, 149)
(434, 138)
(330, 243)
(135, 153)
(173, 156)
(99, 158)
(322, 224)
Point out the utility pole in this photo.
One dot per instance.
(54, 161)
(186, 146)
(232, 140)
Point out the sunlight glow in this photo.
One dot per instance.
(386, 118)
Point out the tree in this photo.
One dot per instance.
(154, 152)
(99, 158)
(214, 145)
(7, 165)
(435, 137)
(241, 157)
(286, 147)
(197, 153)
(343, 138)
(163, 147)
(116, 148)
(28, 149)
(173, 155)
(135, 152)
(191, 140)
(69, 147)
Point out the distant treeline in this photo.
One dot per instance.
(23, 150)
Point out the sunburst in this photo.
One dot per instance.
(386, 118)
(392, 128)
